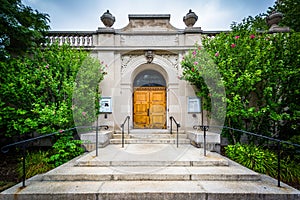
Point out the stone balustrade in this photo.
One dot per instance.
(85, 38)
(76, 39)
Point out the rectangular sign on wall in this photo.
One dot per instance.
(194, 105)
(105, 105)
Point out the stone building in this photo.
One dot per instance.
(143, 69)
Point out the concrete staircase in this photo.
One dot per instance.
(150, 136)
(151, 171)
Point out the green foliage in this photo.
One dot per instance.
(65, 149)
(36, 91)
(86, 92)
(260, 73)
(291, 12)
(264, 161)
(35, 163)
(257, 23)
(291, 17)
(21, 28)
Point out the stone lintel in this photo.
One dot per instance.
(149, 16)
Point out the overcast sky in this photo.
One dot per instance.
(84, 15)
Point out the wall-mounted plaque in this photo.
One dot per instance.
(105, 105)
(194, 105)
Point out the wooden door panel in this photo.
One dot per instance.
(157, 108)
(158, 96)
(141, 96)
(141, 108)
(157, 121)
(150, 107)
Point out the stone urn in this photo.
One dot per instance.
(190, 18)
(108, 19)
(274, 19)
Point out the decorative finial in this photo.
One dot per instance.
(190, 18)
(273, 20)
(108, 19)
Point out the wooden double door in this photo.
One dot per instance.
(149, 107)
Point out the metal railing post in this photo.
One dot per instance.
(204, 129)
(177, 137)
(177, 126)
(97, 138)
(278, 164)
(171, 125)
(122, 136)
(122, 126)
(24, 165)
(128, 124)
(204, 143)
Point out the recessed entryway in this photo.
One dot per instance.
(149, 100)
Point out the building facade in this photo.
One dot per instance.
(143, 69)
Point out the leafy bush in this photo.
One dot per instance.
(260, 73)
(37, 90)
(35, 163)
(65, 149)
(264, 161)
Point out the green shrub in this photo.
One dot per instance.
(35, 163)
(65, 149)
(264, 161)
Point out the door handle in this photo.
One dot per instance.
(148, 112)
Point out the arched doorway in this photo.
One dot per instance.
(149, 100)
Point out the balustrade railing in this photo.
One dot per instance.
(76, 39)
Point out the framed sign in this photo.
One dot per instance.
(194, 105)
(105, 105)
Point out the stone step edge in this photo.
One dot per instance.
(151, 177)
(135, 190)
(152, 163)
(149, 140)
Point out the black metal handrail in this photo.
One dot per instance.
(278, 141)
(203, 128)
(177, 126)
(122, 126)
(24, 143)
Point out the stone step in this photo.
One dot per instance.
(150, 131)
(97, 163)
(152, 174)
(118, 179)
(150, 141)
(149, 136)
(136, 190)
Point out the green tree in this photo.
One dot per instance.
(260, 73)
(291, 17)
(291, 12)
(21, 28)
(36, 90)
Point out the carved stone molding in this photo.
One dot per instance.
(172, 59)
(128, 60)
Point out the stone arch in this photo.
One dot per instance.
(138, 64)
